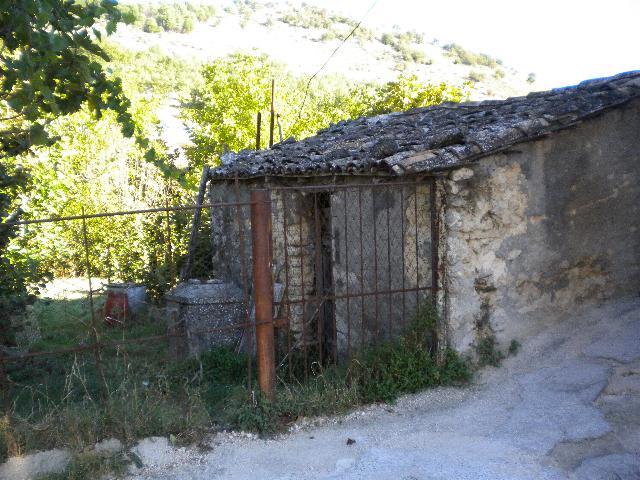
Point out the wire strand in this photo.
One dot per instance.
(344, 40)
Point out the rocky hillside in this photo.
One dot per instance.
(304, 37)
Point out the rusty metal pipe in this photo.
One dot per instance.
(263, 290)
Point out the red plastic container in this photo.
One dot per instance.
(116, 308)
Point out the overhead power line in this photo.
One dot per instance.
(344, 40)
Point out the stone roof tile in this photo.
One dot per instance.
(433, 138)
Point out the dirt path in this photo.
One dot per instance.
(568, 406)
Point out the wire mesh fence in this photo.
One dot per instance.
(114, 312)
(155, 309)
(352, 263)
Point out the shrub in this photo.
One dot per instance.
(90, 465)
(461, 55)
(475, 76)
(488, 353)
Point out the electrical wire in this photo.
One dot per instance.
(344, 40)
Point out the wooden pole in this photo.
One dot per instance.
(258, 126)
(273, 113)
(263, 290)
(195, 224)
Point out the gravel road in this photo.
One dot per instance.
(566, 407)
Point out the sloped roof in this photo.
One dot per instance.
(433, 138)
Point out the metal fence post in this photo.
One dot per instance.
(94, 325)
(263, 289)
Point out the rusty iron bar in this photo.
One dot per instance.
(258, 126)
(263, 290)
(348, 186)
(346, 261)
(245, 285)
(195, 225)
(273, 112)
(128, 341)
(94, 326)
(435, 228)
(362, 315)
(363, 294)
(4, 383)
(389, 295)
(169, 250)
(178, 208)
(319, 276)
(404, 300)
(415, 206)
(286, 280)
(304, 330)
(375, 263)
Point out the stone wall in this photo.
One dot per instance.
(551, 224)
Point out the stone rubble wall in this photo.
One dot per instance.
(543, 228)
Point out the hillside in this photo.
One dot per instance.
(303, 37)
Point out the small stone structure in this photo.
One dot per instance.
(203, 315)
(537, 199)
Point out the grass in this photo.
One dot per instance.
(61, 402)
(90, 465)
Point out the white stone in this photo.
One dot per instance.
(461, 174)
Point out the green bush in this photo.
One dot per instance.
(464, 56)
(90, 465)
(488, 353)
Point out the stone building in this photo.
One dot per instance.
(525, 206)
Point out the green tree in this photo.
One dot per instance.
(405, 93)
(222, 113)
(50, 66)
(151, 26)
(168, 18)
(188, 24)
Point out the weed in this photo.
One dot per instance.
(514, 347)
(90, 466)
(488, 353)
(57, 402)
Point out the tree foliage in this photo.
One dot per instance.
(222, 113)
(50, 66)
(167, 17)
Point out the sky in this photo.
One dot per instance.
(562, 41)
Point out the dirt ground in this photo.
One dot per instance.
(566, 407)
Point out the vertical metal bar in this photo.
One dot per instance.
(263, 290)
(390, 296)
(302, 288)
(434, 240)
(286, 298)
(435, 234)
(319, 277)
(273, 113)
(94, 326)
(415, 208)
(4, 384)
(375, 261)
(245, 285)
(346, 262)
(404, 273)
(169, 252)
(362, 315)
(258, 126)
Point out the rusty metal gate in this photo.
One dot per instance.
(350, 265)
